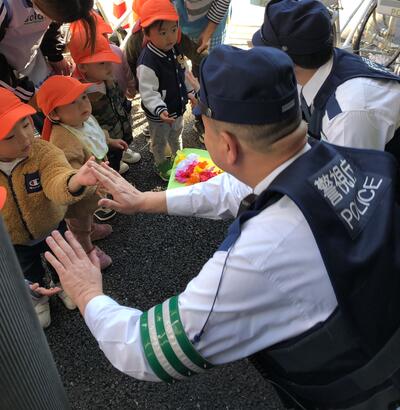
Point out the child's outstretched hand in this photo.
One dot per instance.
(84, 177)
(117, 144)
(166, 118)
(44, 291)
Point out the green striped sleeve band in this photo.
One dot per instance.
(168, 350)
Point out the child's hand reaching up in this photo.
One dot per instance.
(84, 177)
(117, 144)
(166, 118)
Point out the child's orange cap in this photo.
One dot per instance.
(3, 196)
(83, 54)
(137, 8)
(59, 90)
(101, 26)
(12, 109)
(151, 11)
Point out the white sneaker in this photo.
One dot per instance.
(130, 156)
(68, 303)
(42, 309)
(123, 167)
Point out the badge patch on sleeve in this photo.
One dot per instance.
(32, 183)
(353, 195)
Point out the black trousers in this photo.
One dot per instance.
(30, 259)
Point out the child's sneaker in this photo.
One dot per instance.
(42, 309)
(100, 231)
(164, 170)
(104, 214)
(123, 167)
(104, 259)
(130, 156)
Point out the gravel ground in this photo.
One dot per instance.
(154, 256)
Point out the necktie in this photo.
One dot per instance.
(246, 203)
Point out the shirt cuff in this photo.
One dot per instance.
(93, 309)
(179, 201)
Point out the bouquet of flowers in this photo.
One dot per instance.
(191, 168)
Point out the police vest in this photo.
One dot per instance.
(348, 199)
(345, 67)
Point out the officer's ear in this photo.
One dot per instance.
(231, 147)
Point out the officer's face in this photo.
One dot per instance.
(74, 114)
(18, 142)
(165, 36)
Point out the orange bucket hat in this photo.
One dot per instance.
(3, 196)
(84, 55)
(12, 109)
(151, 11)
(101, 26)
(56, 91)
(137, 7)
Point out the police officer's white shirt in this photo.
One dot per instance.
(370, 110)
(275, 286)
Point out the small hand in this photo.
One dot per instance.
(62, 67)
(193, 81)
(118, 144)
(84, 177)
(131, 89)
(205, 36)
(126, 198)
(193, 100)
(166, 118)
(44, 291)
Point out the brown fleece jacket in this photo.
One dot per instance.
(77, 154)
(37, 193)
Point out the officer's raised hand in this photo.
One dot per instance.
(126, 198)
(79, 272)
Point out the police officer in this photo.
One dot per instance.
(321, 310)
(346, 99)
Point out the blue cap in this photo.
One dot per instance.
(253, 87)
(299, 27)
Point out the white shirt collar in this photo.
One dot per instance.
(310, 90)
(264, 184)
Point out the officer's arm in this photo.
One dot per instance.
(359, 129)
(217, 198)
(159, 345)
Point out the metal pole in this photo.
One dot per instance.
(29, 379)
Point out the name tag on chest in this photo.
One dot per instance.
(352, 194)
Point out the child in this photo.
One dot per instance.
(105, 96)
(70, 126)
(161, 79)
(40, 184)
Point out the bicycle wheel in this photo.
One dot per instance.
(378, 37)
